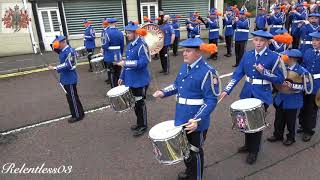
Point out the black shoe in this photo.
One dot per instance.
(228, 55)
(139, 131)
(274, 139)
(299, 130)
(243, 149)
(73, 120)
(288, 142)
(166, 73)
(215, 58)
(162, 71)
(183, 176)
(134, 127)
(236, 65)
(252, 158)
(90, 70)
(306, 137)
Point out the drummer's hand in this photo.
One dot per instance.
(120, 81)
(51, 67)
(101, 50)
(191, 126)
(223, 95)
(158, 94)
(120, 63)
(287, 83)
(260, 68)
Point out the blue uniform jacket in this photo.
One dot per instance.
(246, 67)
(193, 85)
(112, 42)
(242, 29)
(294, 100)
(89, 38)
(303, 32)
(311, 61)
(67, 66)
(194, 30)
(213, 26)
(261, 21)
(301, 15)
(176, 28)
(168, 31)
(135, 73)
(227, 23)
(276, 21)
(277, 46)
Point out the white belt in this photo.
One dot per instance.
(306, 42)
(229, 26)
(185, 101)
(316, 76)
(257, 81)
(197, 36)
(297, 21)
(213, 30)
(277, 26)
(114, 47)
(242, 30)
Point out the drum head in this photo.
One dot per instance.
(80, 48)
(98, 59)
(244, 104)
(116, 91)
(164, 130)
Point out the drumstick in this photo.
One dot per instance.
(196, 120)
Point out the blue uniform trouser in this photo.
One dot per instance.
(75, 105)
(194, 164)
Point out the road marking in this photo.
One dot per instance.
(20, 60)
(50, 121)
(30, 71)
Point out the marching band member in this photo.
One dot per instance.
(241, 26)
(261, 69)
(288, 104)
(276, 20)
(261, 19)
(112, 45)
(304, 29)
(193, 27)
(176, 28)
(89, 40)
(278, 46)
(213, 25)
(105, 25)
(196, 87)
(308, 113)
(227, 23)
(169, 36)
(68, 76)
(296, 16)
(135, 74)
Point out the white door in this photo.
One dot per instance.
(50, 24)
(149, 10)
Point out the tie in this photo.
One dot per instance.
(257, 56)
(189, 68)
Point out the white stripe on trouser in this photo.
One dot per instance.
(198, 166)
(74, 102)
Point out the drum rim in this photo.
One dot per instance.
(181, 131)
(261, 103)
(94, 59)
(118, 94)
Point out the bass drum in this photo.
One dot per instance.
(154, 38)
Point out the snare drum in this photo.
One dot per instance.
(120, 98)
(81, 51)
(170, 143)
(97, 65)
(248, 115)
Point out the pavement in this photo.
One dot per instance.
(101, 147)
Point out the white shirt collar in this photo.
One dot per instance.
(194, 63)
(292, 67)
(65, 48)
(261, 52)
(135, 41)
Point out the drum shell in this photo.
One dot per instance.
(97, 66)
(254, 119)
(122, 102)
(171, 150)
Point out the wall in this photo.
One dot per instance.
(16, 43)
